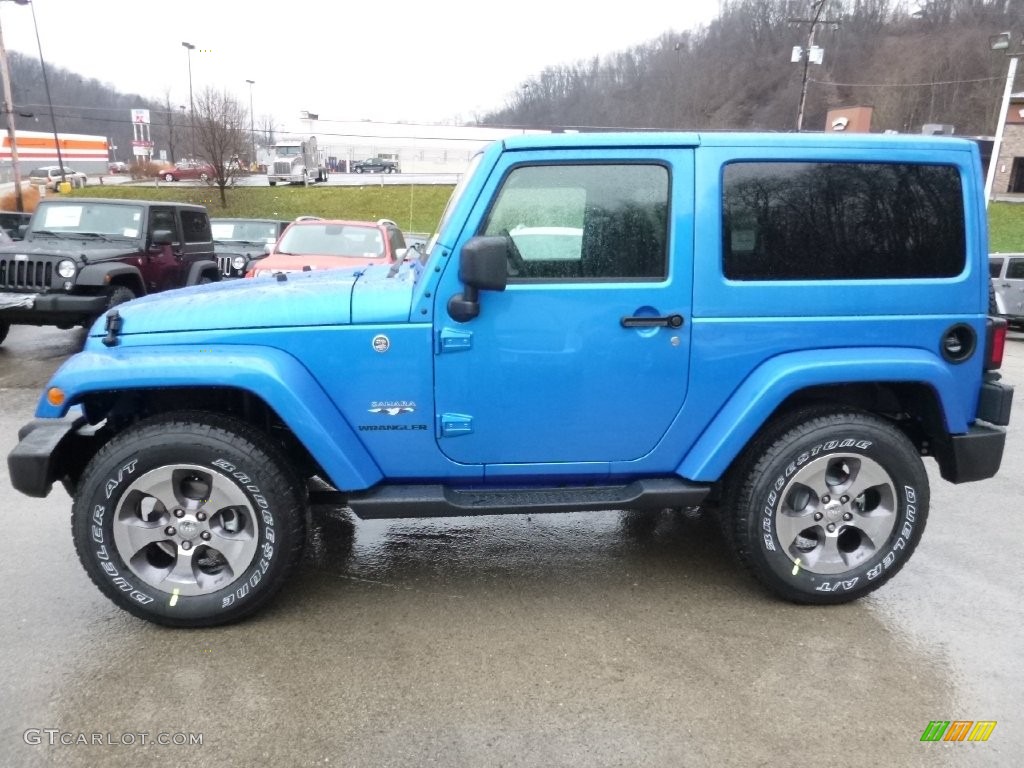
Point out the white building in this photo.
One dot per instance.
(418, 147)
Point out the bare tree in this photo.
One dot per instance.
(221, 135)
(169, 116)
(266, 127)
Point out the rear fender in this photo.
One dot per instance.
(758, 397)
(270, 374)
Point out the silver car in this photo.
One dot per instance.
(1007, 273)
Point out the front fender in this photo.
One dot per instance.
(274, 376)
(756, 399)
(102, 274)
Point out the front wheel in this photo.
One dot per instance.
(168, 177)
(189, 519)
(827, 505)
(272, 183)
(4, 330)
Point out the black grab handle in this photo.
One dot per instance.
(669, 321)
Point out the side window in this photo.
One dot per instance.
(396, 238)
(579, 222)
(995, 267)
(1015, 269)
(196, 226)
(841, 221)
(162, 218)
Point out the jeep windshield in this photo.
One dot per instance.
(88, 220)
(457, 193)
(326, 239)
(244, 231)
(287, 151)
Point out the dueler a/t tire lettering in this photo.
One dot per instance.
(189, 519)
(826, 505)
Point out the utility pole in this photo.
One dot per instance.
(812, 28)
(9, 111)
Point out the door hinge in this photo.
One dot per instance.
(454, 424)
(451, 340)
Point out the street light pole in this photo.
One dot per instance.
(812, 28)
(192, 105)
(11, 133)
(46, 86)
(1001, 42)
(252, 124)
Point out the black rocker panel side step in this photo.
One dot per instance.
(398, 501)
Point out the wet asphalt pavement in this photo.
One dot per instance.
(607, 639)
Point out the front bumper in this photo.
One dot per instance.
(40, 457)
(50, 308)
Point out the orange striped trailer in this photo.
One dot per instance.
(38, 148)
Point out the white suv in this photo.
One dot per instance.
(49, 176)
(1007, 273)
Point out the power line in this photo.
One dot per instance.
(905, 85)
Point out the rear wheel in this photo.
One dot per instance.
(168, 177)
(189, 519)
(4, 329)
(827, 505)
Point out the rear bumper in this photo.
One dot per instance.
(978, 454)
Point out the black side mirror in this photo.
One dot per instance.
(162, 237)
(483, 266)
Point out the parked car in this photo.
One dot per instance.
(240, 242)
(332, 244)
(50, 176)
(117, 167)
(1007, 273)
(82, 256)
(12, 221)
(375, 165)
(189, 170)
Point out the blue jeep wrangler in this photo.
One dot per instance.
(778, 327)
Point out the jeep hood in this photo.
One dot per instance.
(91, 251)
(327, 297)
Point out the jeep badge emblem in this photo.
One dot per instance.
(381, 343)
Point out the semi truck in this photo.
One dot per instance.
(296, 162)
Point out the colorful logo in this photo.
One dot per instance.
(958, 730)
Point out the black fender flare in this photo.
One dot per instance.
(104, 275)
(200, 269)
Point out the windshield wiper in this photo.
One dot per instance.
(99, 235)
(47, 233)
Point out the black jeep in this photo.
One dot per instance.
(80, 256)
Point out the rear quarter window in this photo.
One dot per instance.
(995, 267)
(842, 221)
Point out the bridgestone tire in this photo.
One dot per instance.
(224, 484)
(817, 468)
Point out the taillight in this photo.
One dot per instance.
(995, 342)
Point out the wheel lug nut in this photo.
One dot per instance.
(170, 530)
(831, 528)
(205, 536)
(186, 545)
(179, 513)
(845, 499)
(847, 517)
(818, 515)
(826, 499)
(200, 516)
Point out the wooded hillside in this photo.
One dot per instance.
(932, 66)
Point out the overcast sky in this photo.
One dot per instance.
(421, 61)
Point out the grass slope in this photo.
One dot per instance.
(416, 208)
